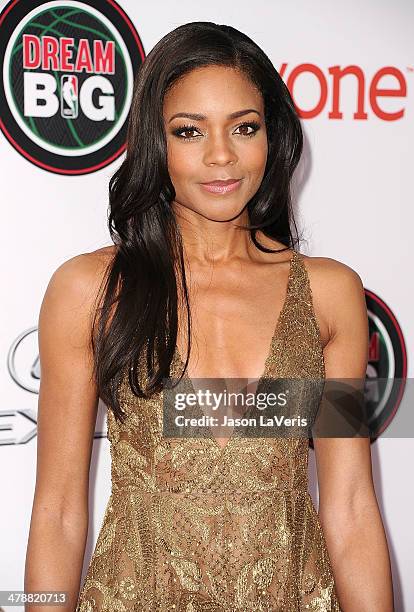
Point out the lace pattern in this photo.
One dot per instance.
(191, 527)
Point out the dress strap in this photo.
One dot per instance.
(303, 297)
(301, 287)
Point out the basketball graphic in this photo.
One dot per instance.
(67, 76)
(387, 364)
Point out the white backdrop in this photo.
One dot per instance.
(354, 202)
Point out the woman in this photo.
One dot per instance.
(203, 259)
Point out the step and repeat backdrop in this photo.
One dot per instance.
(67, 70)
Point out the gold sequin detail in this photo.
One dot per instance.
(191, 527)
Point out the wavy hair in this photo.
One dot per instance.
(137, 319)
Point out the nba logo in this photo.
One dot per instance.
(69, 96)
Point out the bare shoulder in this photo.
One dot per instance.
(84, 265)
(329, 273)
(81, 276)
(68, 394)
(337, 292)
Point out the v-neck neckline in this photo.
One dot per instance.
(265, 372)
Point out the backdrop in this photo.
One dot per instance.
(66, 83)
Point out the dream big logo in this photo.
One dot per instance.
(387, 364)
(67, 71)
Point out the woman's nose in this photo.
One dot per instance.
(219, 151)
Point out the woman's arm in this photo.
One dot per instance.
(67, 412)
(348, 507)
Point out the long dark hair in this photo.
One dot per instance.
(136, 321)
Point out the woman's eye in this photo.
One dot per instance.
(188, 131)
(255, 127)
(182, 132)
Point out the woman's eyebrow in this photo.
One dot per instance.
(198, 117)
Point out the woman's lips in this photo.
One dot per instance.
(221, 186)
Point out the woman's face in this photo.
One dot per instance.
(214, 145)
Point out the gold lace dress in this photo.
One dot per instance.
(194, 527)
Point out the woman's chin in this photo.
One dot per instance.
(213, 211)
(221, 214)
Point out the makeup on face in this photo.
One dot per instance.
(221, 187)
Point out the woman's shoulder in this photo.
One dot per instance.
(98, 258)
(86, 265)
(79, 278)
(331, 274)
(338, 293)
